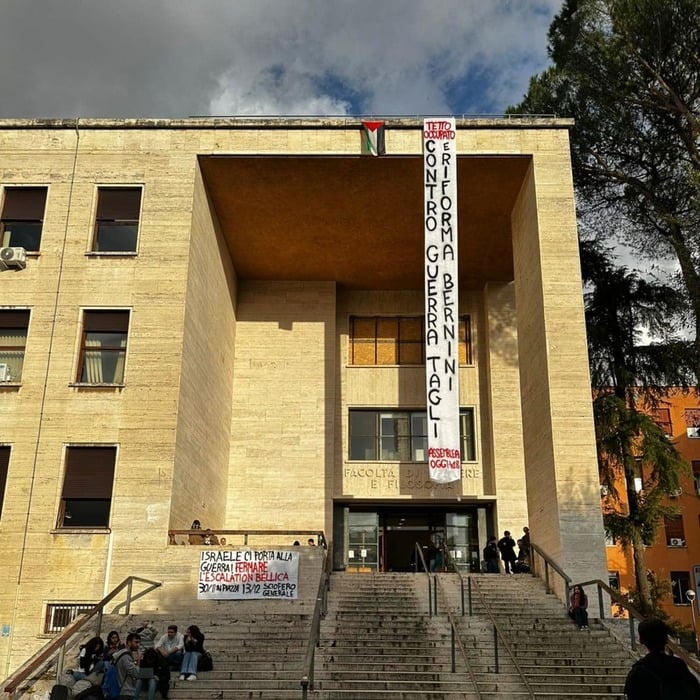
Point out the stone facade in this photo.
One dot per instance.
(258, 241)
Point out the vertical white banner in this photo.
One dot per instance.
(441, 297)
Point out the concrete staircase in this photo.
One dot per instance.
(255, 655)
(378, 641)
(557, 659)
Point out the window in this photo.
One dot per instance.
(662, 418)
(675, 535)
(680, 583)
(117, 219)
(614, 580)
(4, 468)
(60, 615)
(695, 465)
(86, 499)
(692, 421)
(103, 348)
(13, 339)
(401, 435)
(23, 217)
(398, 340)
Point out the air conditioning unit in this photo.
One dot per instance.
(5, 375)
(13, 257)
(693, 432)
(676, 493)
(676, 542)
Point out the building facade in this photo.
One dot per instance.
(674, 556)
(222, 319)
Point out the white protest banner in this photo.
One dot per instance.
(248, 573)
(441, 297)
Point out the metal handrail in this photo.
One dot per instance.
(202, 532)
(419, 555)
(503, 639)
(320, 609)
(38, 664)
(618, 598)
(452, 566)
(456, 639)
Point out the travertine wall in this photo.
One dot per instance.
(561, 468)
(399, 387)
(201, 460)
(283, 395)
(502, 377)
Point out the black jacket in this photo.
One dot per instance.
(659, 673)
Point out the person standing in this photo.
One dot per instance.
(127, 670)
(525, 545)
(578, 607)
(491, 556)
(659, 675)
(506, 546)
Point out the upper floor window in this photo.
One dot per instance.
(86, 498)
(692, 421)
(389, 435)
(23, 217)
(695, 466)
(13, 339)
(680, 583)
(675, 534)
(662, 418)
(103, 347)
(398, 340)
(4, 468)
(117, 219)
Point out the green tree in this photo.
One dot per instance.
(629, 376)
(628, 72)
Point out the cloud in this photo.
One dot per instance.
(174, 58)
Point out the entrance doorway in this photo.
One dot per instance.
(384, 539)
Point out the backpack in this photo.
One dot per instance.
(110, 683)
(206, 663)
(680, 687)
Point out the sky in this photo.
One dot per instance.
(180, 58)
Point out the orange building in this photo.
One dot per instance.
(675, 554)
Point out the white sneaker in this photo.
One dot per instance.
(192, 677)
(182, 677)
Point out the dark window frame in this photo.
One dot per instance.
(5, 453)
(397, 432)
(23, 211)
(674, 530)
(680, 583)
(115, 211)
(408, 341)
(14, 320)
(103, 322)
(88, 482)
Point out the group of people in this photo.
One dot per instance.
(512, 563)
(138, 669)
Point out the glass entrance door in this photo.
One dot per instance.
(363, 542)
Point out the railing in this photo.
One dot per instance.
(320, 609)
(54, 652)
(456, 641)
(208, 532)
(616, 596)
(418, 557)
(498, 634)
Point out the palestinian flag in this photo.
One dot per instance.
(373, 138)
